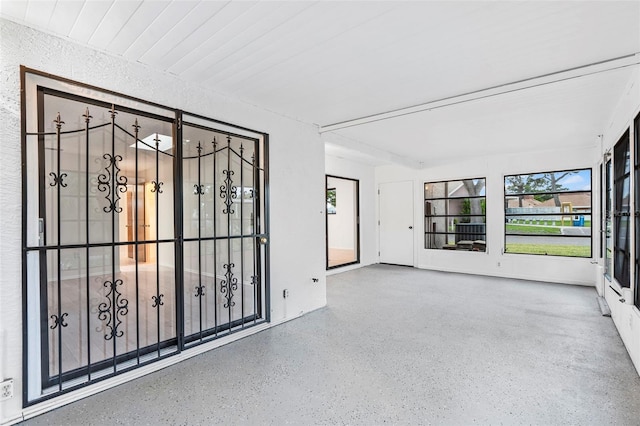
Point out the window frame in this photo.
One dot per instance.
(622, 271)
(356, 183)
(528, 214)
(608, 216)
(429, 216)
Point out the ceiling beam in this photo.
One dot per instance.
(541, 80)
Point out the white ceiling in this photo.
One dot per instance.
(329, 62)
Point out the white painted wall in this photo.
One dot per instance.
(625, 316)
(550, 269)
(368, 229)
(296, 161)
(494, 262)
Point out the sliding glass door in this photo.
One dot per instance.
(106, 255)
(223, 187)
(146, 232)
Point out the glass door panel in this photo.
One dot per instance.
(135, 246)
(343, 219)
(222, 208)
(107, 282)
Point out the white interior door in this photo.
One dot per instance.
(396, 222)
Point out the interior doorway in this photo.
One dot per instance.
(342, 221)
(136, 222)
(396, 223)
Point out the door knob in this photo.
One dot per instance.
(263, 240)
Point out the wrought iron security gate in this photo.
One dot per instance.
(135, 246)
(223, 229)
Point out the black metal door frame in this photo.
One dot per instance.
(112, 309)
(356, 183)
(261, 253)
(227, 192)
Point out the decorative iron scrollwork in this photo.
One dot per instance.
(228, 285)
(228, 191)
(198, 189)
(157, 300)
(157, 186)
(199, 291)
(116, 303)
(58, 321)
(58, 179)
(254, 280)
(112, 172)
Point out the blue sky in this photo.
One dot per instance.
(578, 181)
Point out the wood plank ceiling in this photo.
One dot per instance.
(327, 62)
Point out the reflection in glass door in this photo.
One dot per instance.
(136, 222)
(343, 221)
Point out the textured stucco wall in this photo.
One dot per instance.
(296, 175)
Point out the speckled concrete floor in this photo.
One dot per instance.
(399, 346)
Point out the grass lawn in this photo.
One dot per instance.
(542, 221)
(526, 229)
(549, 249)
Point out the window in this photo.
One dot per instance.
(548, 213)
(622, 211)
(454, 215)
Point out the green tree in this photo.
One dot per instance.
(474, 187)
(553, 184)
(524, 184)
(466, 209)
(331, 197)
(544, 182)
